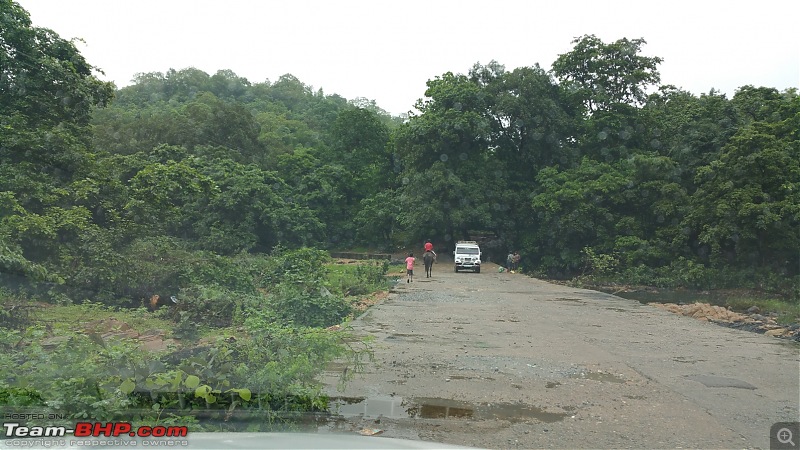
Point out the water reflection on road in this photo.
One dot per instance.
(438, 408)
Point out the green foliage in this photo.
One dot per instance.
(15, 311)
(359, 278)
(377, 219)
(306, 306)
(183, 184)
(600, 263)
(372, 273)
(87, 378)
(284, 361)
(208, 306)
(304, 266)
(747, 205)
(603, 74)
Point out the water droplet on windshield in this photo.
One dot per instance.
(443, 157)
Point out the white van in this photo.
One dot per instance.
(467, 256)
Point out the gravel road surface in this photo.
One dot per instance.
(500, 360)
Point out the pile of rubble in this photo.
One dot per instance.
(750, 321)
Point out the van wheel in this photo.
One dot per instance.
(478, 270)
(456, 269)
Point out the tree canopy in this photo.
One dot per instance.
(595, 157)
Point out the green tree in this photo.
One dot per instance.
(47, 94)
(601, 74)
(358, 142)
(747, 206)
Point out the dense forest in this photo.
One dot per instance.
(594, 165)
(220, 189)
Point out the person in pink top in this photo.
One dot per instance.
(410, 267)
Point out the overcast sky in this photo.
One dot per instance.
(386, 51)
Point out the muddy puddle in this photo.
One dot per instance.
(438, 408)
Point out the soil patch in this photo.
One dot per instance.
(754, 322)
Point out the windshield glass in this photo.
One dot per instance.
(205, 228)
(467, 251)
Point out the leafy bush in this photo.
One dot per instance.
(307, 306)
(284, 362)
(372, 273)
(210, 306)
(600, 263)
(361, 278)
(304, 266)
(83, 377)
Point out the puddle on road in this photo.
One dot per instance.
(599, 376)
(438, 408)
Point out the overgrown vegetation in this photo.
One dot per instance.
(256, 348)
(209, 197)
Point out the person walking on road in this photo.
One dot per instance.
(515, 262)
(410, 267)
(510, 261)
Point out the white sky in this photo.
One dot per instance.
(387, 50)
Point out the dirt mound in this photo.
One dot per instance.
(703, 311)
(723, 316)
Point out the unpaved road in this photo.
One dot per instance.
(501, 360)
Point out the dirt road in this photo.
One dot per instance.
(501, 360)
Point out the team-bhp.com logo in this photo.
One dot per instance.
(89, 429)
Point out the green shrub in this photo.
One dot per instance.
(372, 273)
(600, 263)
(304, 266)
(307, 306)
(213, 306)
